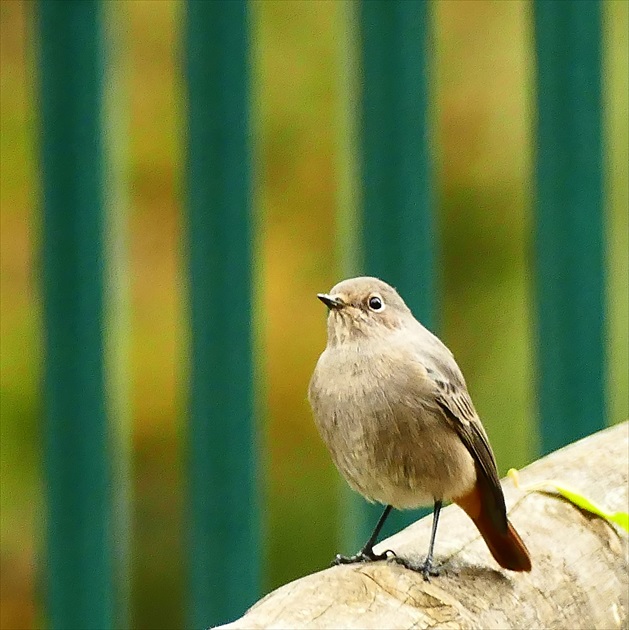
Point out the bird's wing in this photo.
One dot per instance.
(453, 399)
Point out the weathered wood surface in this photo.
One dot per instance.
(580, 566)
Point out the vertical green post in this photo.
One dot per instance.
(79, 566)
(224, 549)
(569, 220)
(117, 280)
(397, 222)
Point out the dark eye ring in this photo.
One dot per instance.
(375, 303)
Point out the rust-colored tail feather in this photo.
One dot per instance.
(506, 547)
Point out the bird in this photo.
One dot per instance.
(393, 408)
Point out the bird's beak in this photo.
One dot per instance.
(331, 301)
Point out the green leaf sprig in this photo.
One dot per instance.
(619, 518)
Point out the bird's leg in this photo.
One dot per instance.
(366, 554)
(426, 568)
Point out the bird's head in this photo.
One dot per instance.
(362, 308)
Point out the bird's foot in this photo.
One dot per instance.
(426, 568)
(364, 555)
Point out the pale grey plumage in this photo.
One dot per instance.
(392, 405)
(393, 408)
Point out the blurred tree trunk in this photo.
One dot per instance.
(579, 577)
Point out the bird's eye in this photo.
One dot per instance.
(375, 303)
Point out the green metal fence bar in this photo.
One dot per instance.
(224, 543)
(117, 281)
(78, 570)
(397, 222)
(569, 220)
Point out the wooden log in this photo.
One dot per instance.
(580, 562)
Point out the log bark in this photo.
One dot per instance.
(580, 565)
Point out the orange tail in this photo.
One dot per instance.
(505, 546)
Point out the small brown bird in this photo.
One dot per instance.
(392, 406)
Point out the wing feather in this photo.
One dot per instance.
(456, 404)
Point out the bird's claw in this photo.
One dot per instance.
(426, 568)
(365, 555)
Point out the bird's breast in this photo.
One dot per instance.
(371, 385)
(377, 416)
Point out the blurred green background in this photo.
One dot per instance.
(483, 94)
